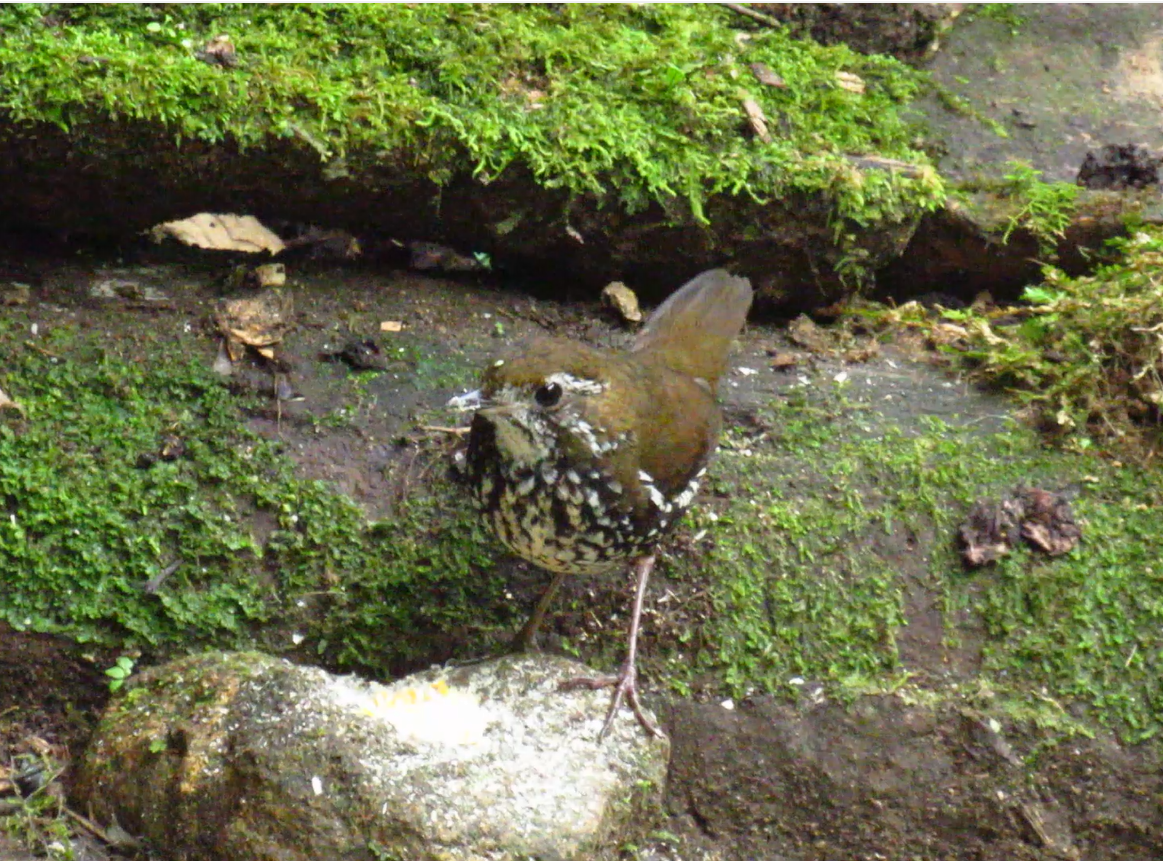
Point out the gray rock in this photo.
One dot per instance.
(1058, 83)
(244, 756)
(1065, 80)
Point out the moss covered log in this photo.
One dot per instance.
(507, 128)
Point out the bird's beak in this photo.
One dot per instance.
(500, 427)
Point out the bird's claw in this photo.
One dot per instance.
(625, 686)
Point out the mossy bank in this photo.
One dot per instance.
(511, 129)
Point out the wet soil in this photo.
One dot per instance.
(760, 780)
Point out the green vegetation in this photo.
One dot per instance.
(37, 819)
(104, 541)
(1004, 13)
(1084, 353)
(121, 670)
(1087, 626)
(1045, 209)
(834, 517)
(630, 104)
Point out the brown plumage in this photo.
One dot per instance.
(582, 459)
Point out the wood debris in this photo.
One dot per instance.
(765, 76)
(757, 119)
(1042, 518)
(623, 301)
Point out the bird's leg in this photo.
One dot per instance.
(526, 640)
(625, 683)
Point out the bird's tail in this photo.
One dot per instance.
(692, 330)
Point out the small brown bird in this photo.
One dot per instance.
(582, 460)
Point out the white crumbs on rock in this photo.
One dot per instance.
(491, 760)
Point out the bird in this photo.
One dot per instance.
(581, 460)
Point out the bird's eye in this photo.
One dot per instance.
(548, 395)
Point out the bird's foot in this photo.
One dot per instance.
(526, 640)
(625, 686)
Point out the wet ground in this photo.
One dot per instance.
(765, 779)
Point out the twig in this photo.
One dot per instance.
(442, 429)
(154, 583)
(872, 162)
(41, 350)
(751, 13)
(89, 825)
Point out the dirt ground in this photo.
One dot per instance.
(886, 779)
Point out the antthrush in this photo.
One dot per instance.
(582, 459)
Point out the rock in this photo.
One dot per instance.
(433, 257)
(958, 251)
(1099, 84)
(803, 332)
(1051, 110)
(244, 756)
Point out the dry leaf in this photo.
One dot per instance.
(757, 119)
(621, 298)
(6, 403)
(258, 321)
(219, 51)
(220, 232)
(271, 275)
(850, 82)
(766, 77)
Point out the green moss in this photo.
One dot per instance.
(1004, 13)
(828, 519)
(1084, 352)
(85, 529)
(1087, 627)
(250, 549)
(1045, 209)
(629, 104)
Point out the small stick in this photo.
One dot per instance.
(751, 13)
(41, 350)
(442, 429)
(89, 825)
